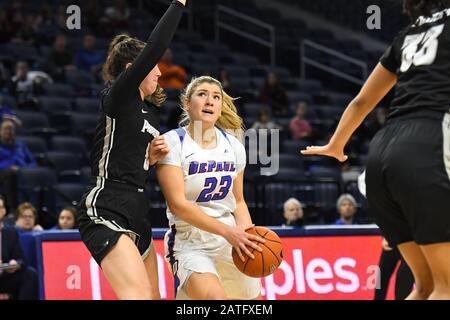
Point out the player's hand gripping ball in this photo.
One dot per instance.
(265, 262)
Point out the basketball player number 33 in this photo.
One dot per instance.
(210, 185)
(420, 49)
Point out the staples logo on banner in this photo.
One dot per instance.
(326, 268)
(340, 267)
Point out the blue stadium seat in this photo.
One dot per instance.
(32, 120)
(297, 96)
(61, 160)
(83, 123)
(293, 147)
(291, 161)
(7, 100)
(245, 59)
(67, 194)
(69, 144)
(58, 90)
(37, 145)
(55, 104)
(80, 176)
(329, 112)
(79, 78)
(32, 183)
(85, 175)
(87, 105)
(34, 123)
(286, 174)
(236, 71)
(309, 85)
(251, 110)
(325, 172)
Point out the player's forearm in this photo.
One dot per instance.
(351, 119)
(157, 43)
(190, 213)
(242, 215)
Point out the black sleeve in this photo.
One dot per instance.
(127, 83)
(391, 59)
(388, 59)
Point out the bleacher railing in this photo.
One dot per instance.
(220, 24)
(311, 61)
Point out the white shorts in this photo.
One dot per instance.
(191, 250)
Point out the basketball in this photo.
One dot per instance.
(265, 262)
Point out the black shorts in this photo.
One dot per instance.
(109, 209)
(408, 180)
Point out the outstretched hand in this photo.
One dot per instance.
(326, 150)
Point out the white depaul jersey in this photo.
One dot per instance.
(208, 173)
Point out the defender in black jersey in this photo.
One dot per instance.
(408, 168)
(114, 222)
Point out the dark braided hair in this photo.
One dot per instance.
(417, 8)
(124, 49)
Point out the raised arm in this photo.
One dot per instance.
(157, 43)
(172, 185)
(379, 83)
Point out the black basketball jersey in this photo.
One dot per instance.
(420, 57)
(127, 124)
(120, 144)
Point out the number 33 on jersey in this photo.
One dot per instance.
(421, 49)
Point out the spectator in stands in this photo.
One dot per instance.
(67, 219)
(26, 216)
(19, 281)
(172, 76)
(293, 213)
(346, 206)
(89, 58)
(60, 59)
(274, 95)
(299, 127)
(23, 88)
(117, 16)
(13, 156)
(264, 121)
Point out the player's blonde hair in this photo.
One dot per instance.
(229, 121)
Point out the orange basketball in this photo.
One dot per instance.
(265, 262)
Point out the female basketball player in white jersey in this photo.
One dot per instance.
(202, 181)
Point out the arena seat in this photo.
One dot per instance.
(54, 104)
